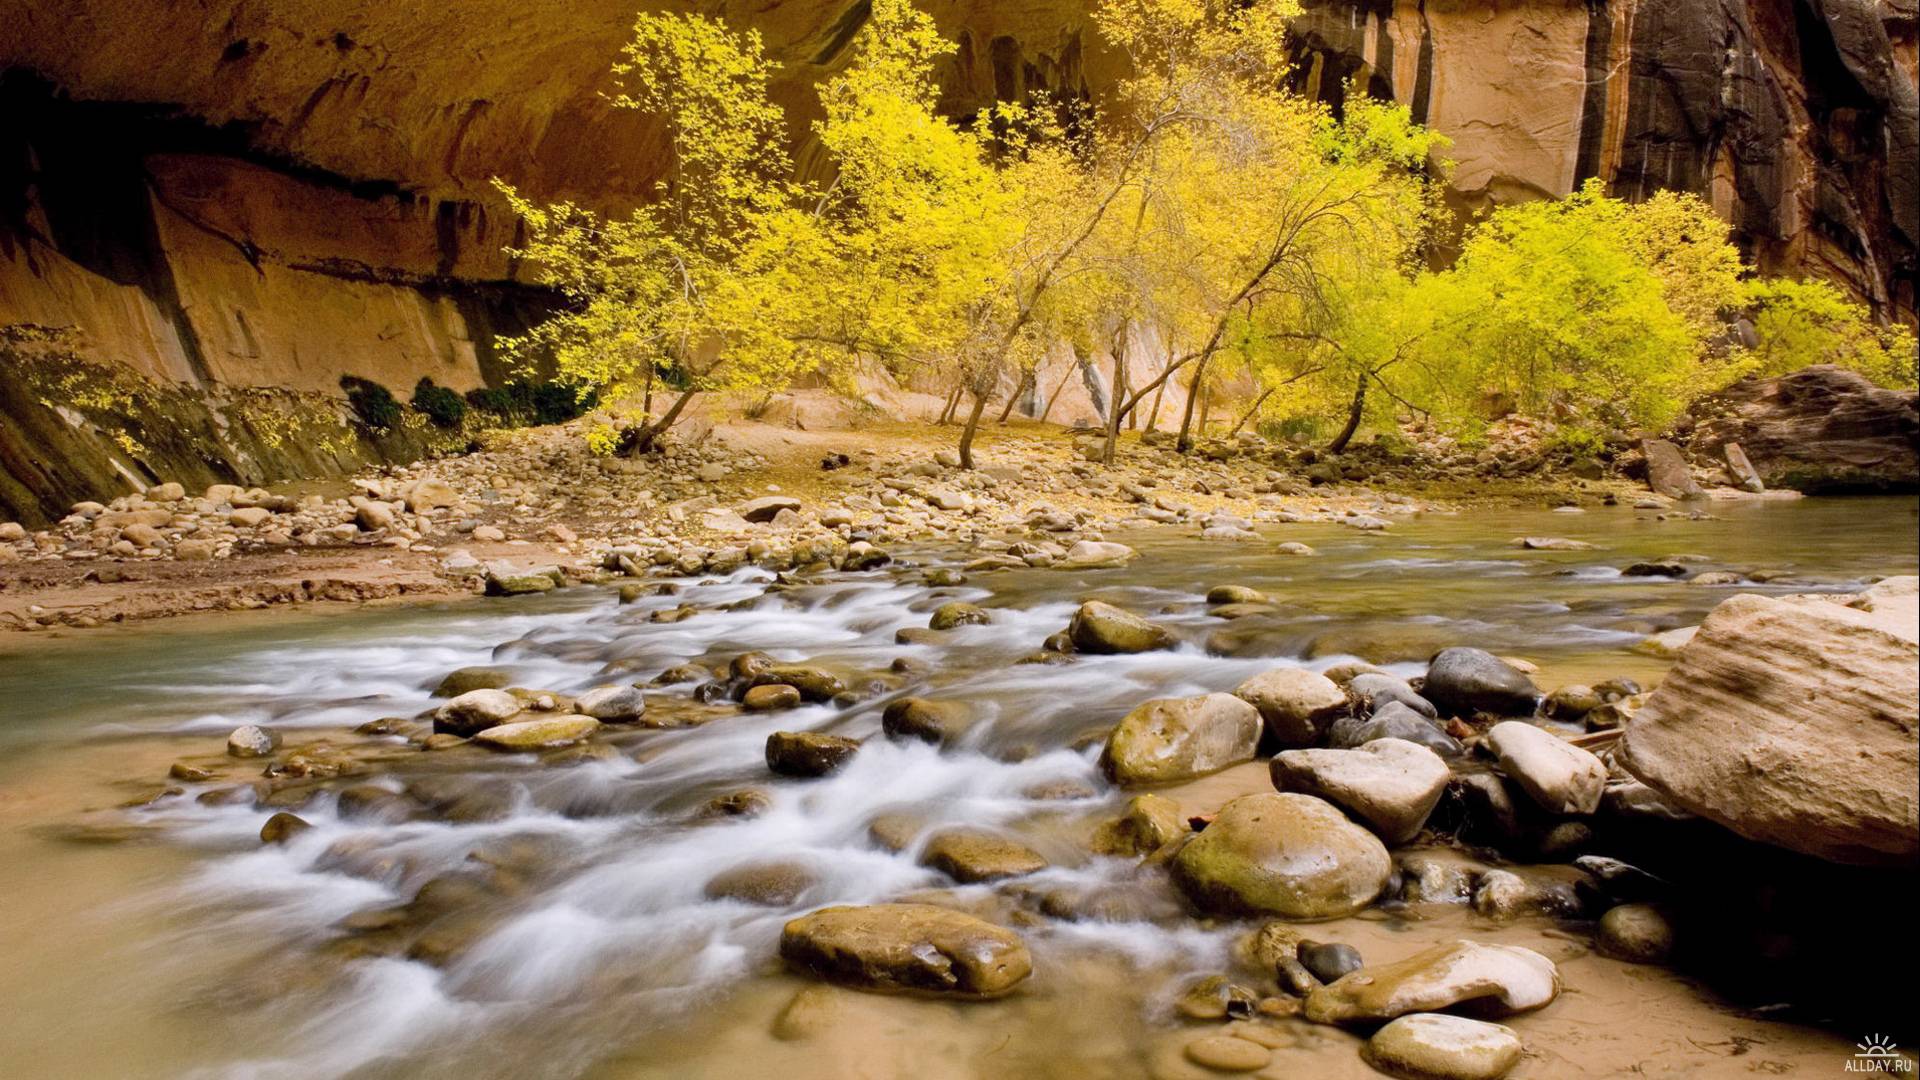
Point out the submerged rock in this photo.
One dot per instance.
(544, 734)
(1102, 628)
(1290, 855)
(937, 722)
(1169, 739)
(957, 613)
(1435, 1046)
(974, 855)
(1097, 555)
(1390, 784)
(808, 753)
(907, 947)
(1502, 979)
(1150, 823)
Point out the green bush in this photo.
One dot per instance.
(517, 404)
(442, 406)
(373, 403)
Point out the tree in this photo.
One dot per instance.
(1797, 323)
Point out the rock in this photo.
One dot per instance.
(1551, 543)
(1741, 469)
(168, 492)
(765, 508)
(770, 697)
(1819, 429)
(1329, 962)
(1667, 471)
(141, 535)
(1097, 555)
(1293, 547)
(1170, 739)
(1561, 777)
(972, 855)
(1666, 568)
(430, 494)
(547, 733)
(1392, 721)
(612, 704)
(475, 711)
(1296, 705)
(1149, 824)
(1102, 628)
(957, 613)
(1462, 681)
(814, 1011)
(907, 947)
(808, 753)
(1635, 933)
(1373, 689)
(194, 550)
(1499, 979)
(1435, 1046)
(1793, 723)
(249, 517)
(12, 531)
(1235, 594)
(283, 827)
(252, 741)
(462, 680)
(489, 534)
(769, 884)
(1572, 702)
(1282, 854)
(509, 582)
(373, 516)
(815, 684)
(939, 722)
(1225, 1053)
(1390, 784)
(1666, 644)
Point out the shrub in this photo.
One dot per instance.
(442, 406)
(373, 403)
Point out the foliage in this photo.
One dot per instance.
(446, 408)
(1797, 323)
(372, 403)
(519, 403)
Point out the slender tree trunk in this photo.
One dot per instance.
(1116, 407)
(646, 396)
(972, 428)
(1026, 383)
(953, 401)
(1358, 409)
(1072, 370)
(653, 431)
(1248, 415)
(1185, 442)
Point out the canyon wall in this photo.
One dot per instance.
(238, 192)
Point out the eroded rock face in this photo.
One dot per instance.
(1794, 723)
(1820, 429)
(1289, 855)
(1500, 979)
(907, 948)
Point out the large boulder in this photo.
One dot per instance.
(1667, 471)
(475, 711)
(1498, 979)
(1462, 681)
(1100, 627)
(1792, 721)
(1561, 777)
(938, 722)
(1390, 784)
(1170, 739)
(1296, 705)
(1392, 721)
(907, 947)
(1819, 429)
(1289, 855)
(1097, 555)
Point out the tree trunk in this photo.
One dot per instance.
(953, 400)
(1072, 370)
(1026, 383)
(1116, 407)
(646, 396)
(652, 432)
(972, 428)
(1358, 409)
(1248, 415)
(1185, 442)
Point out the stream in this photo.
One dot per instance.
(147, 931)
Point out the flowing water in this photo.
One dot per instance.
(146, 931)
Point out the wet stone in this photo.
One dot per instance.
(808, 753)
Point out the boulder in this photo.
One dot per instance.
(808, 753)
(1170, 739)
(430, 494)
(1561, 777)
(1667, 471)
(1373, 689)
(1497, 979)
(1289, 855)
(1102, 628)
(1392, 721)
(1236, 594)
(907, 948)
(1097, 555)
(475, 711)
(511, 582)
(1820, 429)
(1296, 705)
(612, 704)
(1389, 784)
(957, 613)
(768, 884)
(1635, 933)
(1462, 681)
(1793, 723)
(461, 680)
(815, 684)
(252, 741)
(974, 855)
(770, 697)
(546, 733)
(938, 722)
(766, 507)
(1435, 1046)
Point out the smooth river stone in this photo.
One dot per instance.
(907, 948)
(1290, 855)
(544, 734)
(1171, 739)
(1502, 979)
(1390, 784)
(1561, 777)
(1435, 1046)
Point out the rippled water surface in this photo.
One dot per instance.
(578, 937)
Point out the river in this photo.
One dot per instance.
(148, 932)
